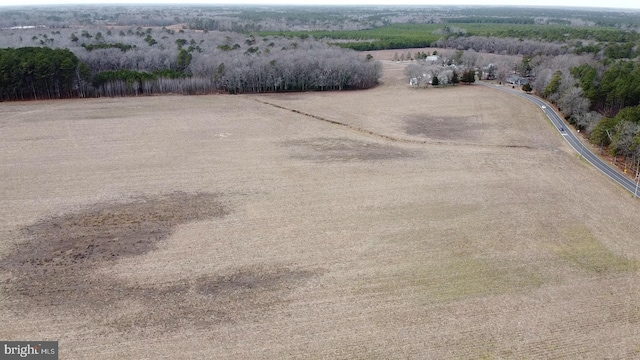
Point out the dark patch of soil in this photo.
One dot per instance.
(212, 299)
(53, 268)
(249, 279)
(106, 232)
(445, 127)
(343, 149)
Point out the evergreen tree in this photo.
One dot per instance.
(553, 85)
(454, 78)
(435, 81)
(183, 60)
(38, 73)
(468, 77)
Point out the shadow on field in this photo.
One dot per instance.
(54, 267)
(445, 127)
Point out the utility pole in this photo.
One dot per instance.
(635, 194)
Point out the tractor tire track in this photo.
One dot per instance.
(378, 135)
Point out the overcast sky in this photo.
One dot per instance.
(629, 4)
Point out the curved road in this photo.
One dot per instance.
(556, 120)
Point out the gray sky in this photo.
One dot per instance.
(629, 4)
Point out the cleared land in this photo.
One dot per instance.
(388, 223)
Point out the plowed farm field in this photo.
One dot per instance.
(391, 223)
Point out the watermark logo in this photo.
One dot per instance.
(31, 350)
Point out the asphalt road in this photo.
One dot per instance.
(556, 120)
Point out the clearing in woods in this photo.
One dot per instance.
(387, 223)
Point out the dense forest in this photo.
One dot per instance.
(583, 60)
(38, 73)
(410, 35)
(288, 18)
(67, 62)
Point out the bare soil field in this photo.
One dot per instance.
(390, 223)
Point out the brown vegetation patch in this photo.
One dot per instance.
(343, 149)
(107, 232)
(53, 268)
(445, 127)
(211, 299)
(245, 280)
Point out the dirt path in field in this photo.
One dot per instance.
(350, 127)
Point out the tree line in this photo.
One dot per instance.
(613, 89)
(559, 39)
(39, 73)
(304, 17)
(598, 95)
(140, 61)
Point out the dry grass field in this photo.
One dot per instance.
(391, 223)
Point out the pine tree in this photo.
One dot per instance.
(183, 60)
(468, 77)
(454, 78)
